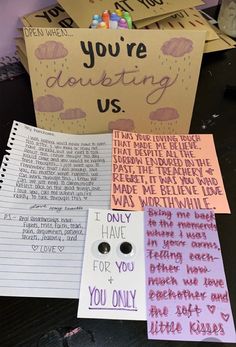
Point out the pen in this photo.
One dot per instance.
(128, 19)
(118, 12)
(102, 25)
(94, 24)
(97, 17)
(106, 17)
(114, 18)
(122, 24)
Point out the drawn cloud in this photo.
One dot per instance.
(51, 50)
(121, 124)
(164, 114)
(72, 113)
(48, 103)
(177, 47)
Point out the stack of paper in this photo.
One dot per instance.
(53, 16)
(142, 12)
(192, 19)
(174, 16)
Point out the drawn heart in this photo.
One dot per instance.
(210, 171)
(211, 308)
(225, 316)
(35, 247)
(61, 248)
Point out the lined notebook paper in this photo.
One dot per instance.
(48, 181)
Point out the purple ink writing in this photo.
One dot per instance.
(125, 266)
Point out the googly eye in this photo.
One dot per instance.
(100, 249)
(126, 250)
(104, 247)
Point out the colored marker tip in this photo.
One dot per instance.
(122, 24)
(102, 25)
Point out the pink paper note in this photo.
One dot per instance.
(177, 171)
(186, 289)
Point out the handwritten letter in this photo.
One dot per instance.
(48, 181)
(187, 295)
(167, 171)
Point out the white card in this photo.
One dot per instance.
(113, 274)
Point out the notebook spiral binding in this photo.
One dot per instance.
(6, 157)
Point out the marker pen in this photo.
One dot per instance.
(114, 19)
(94, 24)
(102, 25)
(119, 12)
(128, 19)
(97, 17)
(106, 17)
(122, 24)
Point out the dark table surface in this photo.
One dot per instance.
(31, 322)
